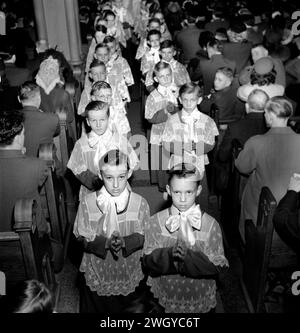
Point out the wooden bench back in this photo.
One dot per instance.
(258, 243)
(23, 254)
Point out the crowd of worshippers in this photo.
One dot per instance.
(192, 56)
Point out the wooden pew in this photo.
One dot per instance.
(258, 243)
(53, 194)
(24, 255)
(75, 90)
(64, 148)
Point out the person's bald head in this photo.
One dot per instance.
(256, 101)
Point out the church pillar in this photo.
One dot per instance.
(58, 24)
(40, 20)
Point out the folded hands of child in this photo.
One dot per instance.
(179, 250)
(115, 243)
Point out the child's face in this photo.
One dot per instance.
(154, 41)
(221, 81)
(190, 101)
(98, 73)
(98, 121)
(164, 77)
(167, 54)
(110, 21)
(112, 48)
(154, 26)
(102, 54)
(104, 95)
(183, 192)
(115, 178)
(99, 35)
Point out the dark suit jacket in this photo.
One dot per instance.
(252, 124)
(188, 41)
(286, 221)
(59, 99)
(238, 52)
(229, 106)
(16, 75)
(20, 177)
(40, 127)
(213, 26)
(207, 69)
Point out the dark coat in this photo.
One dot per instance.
(229, 106)
(238, 52)
(40, 127)
(207, 70)
(242, 130)
(286, 221)
(20, 177)
(188, 41)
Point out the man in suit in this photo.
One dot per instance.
(20, 175)
(40, 127)
(252, 124)
(187, 38)
(270, 159)
(238, 49)
(207, 68)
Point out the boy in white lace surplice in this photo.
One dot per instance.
(183, 250)
(102, 91)
(189, 134)
(151, 55)
(110, 224)
(92, 146)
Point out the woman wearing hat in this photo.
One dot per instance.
(263, 77)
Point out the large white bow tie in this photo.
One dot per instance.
(155, 54)
(110, 206)
(94, 139)
(185, 222)
(170, 93)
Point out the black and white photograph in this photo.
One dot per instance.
(150, 161)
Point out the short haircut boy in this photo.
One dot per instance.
(109, 39)
(97, 63)
(160, 66)
(190, 88)
(99, 85)
(184, 170)
(226, 71)
(96, 106)
(153, 33)
(113, 158)
(101, 45)
(167, 44)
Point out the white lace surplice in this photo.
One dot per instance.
(176, 293)
(109, 276)
(204, 130)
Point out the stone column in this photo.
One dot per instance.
(39, 12)
(72, 19)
